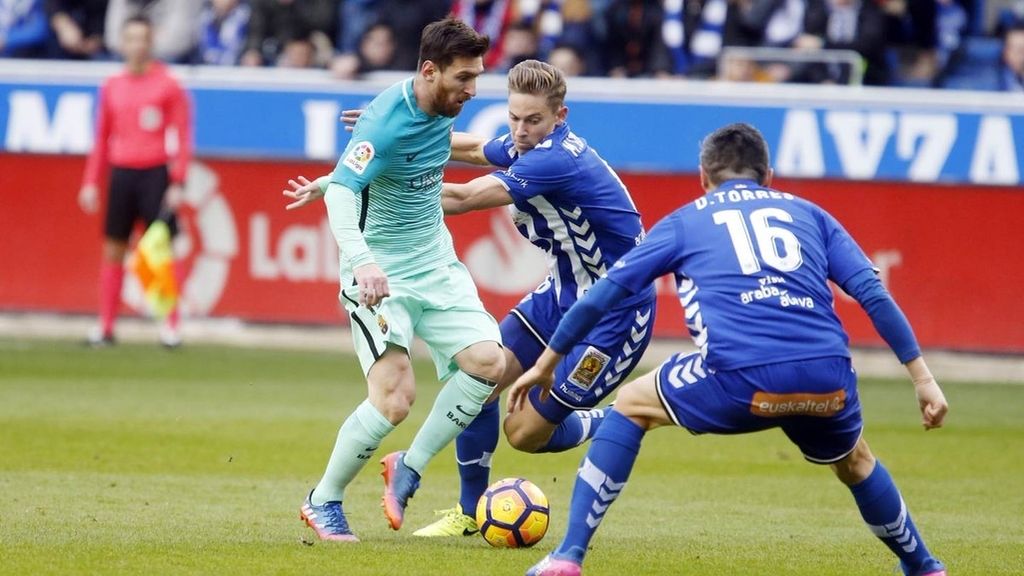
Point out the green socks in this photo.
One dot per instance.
(358, 439)
(457, 404)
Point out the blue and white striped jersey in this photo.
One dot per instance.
(570, 203)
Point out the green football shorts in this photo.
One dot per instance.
(440, 306)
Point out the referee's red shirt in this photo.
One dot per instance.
(135, 111)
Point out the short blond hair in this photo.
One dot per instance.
(540, 79)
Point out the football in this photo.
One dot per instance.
(512, 513)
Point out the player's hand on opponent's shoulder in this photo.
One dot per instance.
(373, 284)
(303, 192)
(349, 118)
(520, 389)
(89, 199)
(931, 401)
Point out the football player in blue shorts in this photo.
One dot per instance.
(565, 199)
(752, 266)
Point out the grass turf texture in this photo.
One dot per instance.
(133, 460)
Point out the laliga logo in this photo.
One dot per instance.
(504, 262)
(207, 241)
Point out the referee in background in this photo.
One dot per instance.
(137, 108)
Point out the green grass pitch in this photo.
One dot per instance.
(134, 460)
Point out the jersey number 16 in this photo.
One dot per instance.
(778, 247)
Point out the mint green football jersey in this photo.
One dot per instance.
(395, 163)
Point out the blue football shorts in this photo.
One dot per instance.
(593, 368)
(814, 401)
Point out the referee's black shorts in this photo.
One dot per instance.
(135, 194)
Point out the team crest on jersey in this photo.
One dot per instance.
(589, 368)
(382, 324)
(359, 157)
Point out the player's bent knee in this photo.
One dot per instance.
(483, 359)
(524, 439)
(856, 466)
(631, 400)
(638, 401)
(527, 430)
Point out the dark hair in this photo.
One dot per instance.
(445, 40)
(138, 19)
(735, 151)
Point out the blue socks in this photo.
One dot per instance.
(474, 447)
(577, 428)
(885, 513)
(601, 477)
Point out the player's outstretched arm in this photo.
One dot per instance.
(469, 148)
(305, 192)
(892, 325)
(478, 194)
(930, 398)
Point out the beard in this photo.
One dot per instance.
(446, 107)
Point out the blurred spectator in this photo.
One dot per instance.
(568, 60)
(23, 29)
(488, 17)
(77, 26)
(706, 22)
(715, 24)
(736, 69)
(223, 29)
(354, 19)
(911, 35)
(857, 25)
(138, 109)
(293, 33)
(519, 43)
(408, 18)
(576, 30)
(376, 52)
(777, 23)
(1010, 16)
(634, 45)
(1011, 74)
(300, 52)
(174, 25)
(950, 28)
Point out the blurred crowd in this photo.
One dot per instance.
(956, 43)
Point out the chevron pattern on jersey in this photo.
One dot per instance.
(586, 242)
(631, 352)
(694, 320)
(605, 491)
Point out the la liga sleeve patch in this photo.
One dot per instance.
(359, 157)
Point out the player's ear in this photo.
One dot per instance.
(768, 178)
(562, 113)
(428, 69)
(705, 181)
